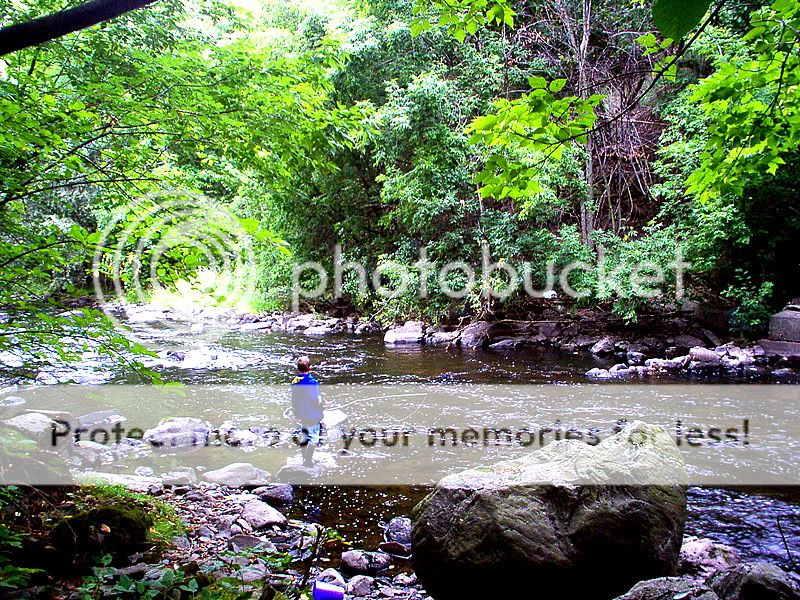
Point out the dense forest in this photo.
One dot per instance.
(537, 132)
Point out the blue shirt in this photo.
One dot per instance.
(305, 399)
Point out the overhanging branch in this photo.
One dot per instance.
(24, 35)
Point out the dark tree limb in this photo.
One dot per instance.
(24, 35)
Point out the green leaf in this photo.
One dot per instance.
(675, 18)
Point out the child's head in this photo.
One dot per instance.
(303, 364)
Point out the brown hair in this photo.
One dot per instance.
(303, 364)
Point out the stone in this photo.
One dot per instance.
(276, 493)
(332, 576)
(254, 572)
(367, 328)
(550, 330)
(412, 332)
(665, 364)
(483, 333)
(237, 475)
(93, 452)
(32, 423)
(785, 326)
(704, 356)
(361, 561)
(776, 348)
(684, 342)
(197, 328)
(670, 588)
(492, 531)
(179, 432)
(101, 418)
(360, 586)
(180, 476)
(755, 581)
(598, 373)
(604, 346)
(635, 358)
(441, 338)
(702, 556)
(399, 530)
(245, 541)
(259, 514)
(300, 323)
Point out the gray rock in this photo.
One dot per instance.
(550, 330)
(670, 588)
(367, 328)
(399, 530)
(441, 338)
(244, 541)
(754, 581)
(179, 432)
(300, 323)
(92, 452)
(598, 373)
(705, 356)
(33, 423)
(259, 514)
(604, 346)
(332, 576)
(9, 401)
(237, 475)
(361, 561)
(685, 342)
(255, 572)
(483, 333)
(412, 332)
(785, 326)
(101, 418)
(635, 358)
(701, 556)
(276, 493)
(490, 532)
(360, 586)
(180, 476)
(665, 364)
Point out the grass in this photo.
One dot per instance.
(166, 522)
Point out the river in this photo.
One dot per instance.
(746, 518)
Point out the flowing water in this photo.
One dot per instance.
(760, 523)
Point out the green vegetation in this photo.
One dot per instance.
(550, 132)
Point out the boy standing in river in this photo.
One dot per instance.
(307, 406)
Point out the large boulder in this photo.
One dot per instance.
(534, 521)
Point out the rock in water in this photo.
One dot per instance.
(490, 533)
(237, 475)
(412, 332)
(179, 432)
(755, 581)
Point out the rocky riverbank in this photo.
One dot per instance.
(674, 344)
(479, 533)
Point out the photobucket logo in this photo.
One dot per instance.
(497, 279)
(160, 240)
